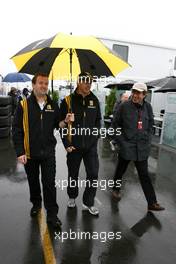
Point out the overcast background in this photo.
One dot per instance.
(23, 22)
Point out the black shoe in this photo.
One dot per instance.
(155, 207)
(35, 210)
(54, 221)
(116, 195)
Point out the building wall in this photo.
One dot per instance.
(148, 62)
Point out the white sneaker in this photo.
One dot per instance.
(92, 209)
(71, 203)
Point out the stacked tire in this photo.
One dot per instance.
(5, 116)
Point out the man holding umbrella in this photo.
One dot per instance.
(135, 118)
(85, 107)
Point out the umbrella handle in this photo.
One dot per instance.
(71, 56)
(70, 132)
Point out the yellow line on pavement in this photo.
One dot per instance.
(45, 239)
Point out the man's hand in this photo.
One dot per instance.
(70, 117)
(70, 149)
(22, 159)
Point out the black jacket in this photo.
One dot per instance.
(87, 115)
(134, 143)
(33, 133)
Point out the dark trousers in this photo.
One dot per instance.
(142, 169)
(90, 159)
(48, 171)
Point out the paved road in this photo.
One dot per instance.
(145, 237)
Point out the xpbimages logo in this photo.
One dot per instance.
(82, 235)
(104, 80)
(79, 131)
(102, 184)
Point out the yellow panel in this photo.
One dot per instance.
(114, 63)
(20, 60)
(77, 42)
(61, 66)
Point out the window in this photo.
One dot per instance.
(175, 64)
(121, 50)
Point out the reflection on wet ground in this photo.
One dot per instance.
(145, 237)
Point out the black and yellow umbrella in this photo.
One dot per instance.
(64, 56)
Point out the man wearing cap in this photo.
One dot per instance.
(135, 118)
(80, 142)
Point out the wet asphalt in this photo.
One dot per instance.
(144, 237)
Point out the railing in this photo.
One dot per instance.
(158, 123)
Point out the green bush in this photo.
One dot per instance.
(54, 96)
(110, 101)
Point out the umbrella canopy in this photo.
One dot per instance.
(65, 56)
(16, 77)
(167, 84)
(124, 85)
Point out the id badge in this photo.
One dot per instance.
(139, 124)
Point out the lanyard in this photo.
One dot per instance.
(139, 123)
(139, 115)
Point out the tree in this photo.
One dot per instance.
(54, 95)
(110, 101)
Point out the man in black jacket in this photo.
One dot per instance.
(34, 122)
(81, 140)
(135, 118)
